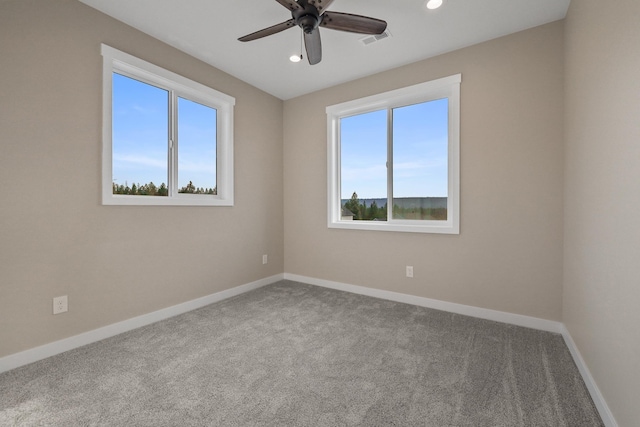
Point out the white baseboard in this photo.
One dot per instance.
(32, 355)
(467, 310)
(16, 360)
(598, 399)
(482, 313)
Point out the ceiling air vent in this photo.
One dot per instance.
(375, 38)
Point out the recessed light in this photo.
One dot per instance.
(433, 4)
(295, 58)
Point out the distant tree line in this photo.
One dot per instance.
(360, 210)
(373, 212)
(151, 189)
(432, 214)
(190, 188)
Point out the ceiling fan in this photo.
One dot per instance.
(309, 15)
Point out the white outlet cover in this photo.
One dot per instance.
(60, 304)
(409, 271)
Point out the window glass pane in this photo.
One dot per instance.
(363, 156)
(420, 161)
(196, 148)
(140, 129)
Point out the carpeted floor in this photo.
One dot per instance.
(291, 354)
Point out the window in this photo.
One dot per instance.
(393, 160)
(167, 140)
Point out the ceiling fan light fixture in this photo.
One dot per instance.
(433, 4)
(295, 58)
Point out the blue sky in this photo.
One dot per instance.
(419, 154)
(197, 144)
(140, 136)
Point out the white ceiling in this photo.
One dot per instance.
(209, 29)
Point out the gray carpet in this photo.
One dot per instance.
(291, 354)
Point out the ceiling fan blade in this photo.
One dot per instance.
(353, 23)
(290, 4)
(321, 5)
(313, 46)
(269, 31)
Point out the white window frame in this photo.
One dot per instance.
(177, 86)
(446, 87)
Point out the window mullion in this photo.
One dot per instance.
(173, 144)
(389, 164)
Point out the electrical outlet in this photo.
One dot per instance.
(265, 259)
(60, 304)
(409, 271)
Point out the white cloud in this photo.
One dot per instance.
(366, 173)
(196, 167)
(141, 160)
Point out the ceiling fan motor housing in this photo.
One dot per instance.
(307, 17)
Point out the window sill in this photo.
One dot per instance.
(435, 227)
(199, 200)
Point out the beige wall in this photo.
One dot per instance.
(602, 202)
(508, 255)
(114, 262)
(522, 96)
